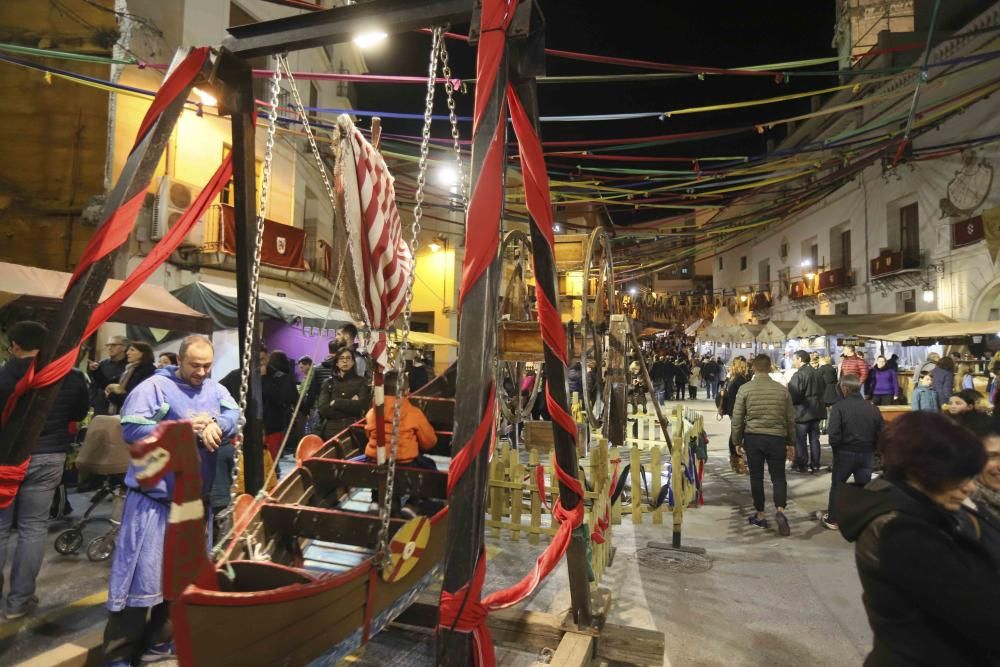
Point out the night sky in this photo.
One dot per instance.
(716, 33)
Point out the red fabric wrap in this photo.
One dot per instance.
(183, 76)
(470, 450)
(10, 481)
(486, 203)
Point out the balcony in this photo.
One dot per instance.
(891, 262)
(802, 290)
(835, 279)
(287, 252)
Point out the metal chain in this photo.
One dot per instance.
(265, 190)
(449, 90)
(383, 556)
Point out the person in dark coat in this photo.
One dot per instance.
(107, 371)
(669, 374)
(574, 381)
(930, 584)
(344, 398)
(943, 377)
(739, 374)
(854, 427)
(658, 376)
(806, 389)
(681, 372)
(30, 509)
(962, 409)
(140, 367)
(279, 395)
(418, 375)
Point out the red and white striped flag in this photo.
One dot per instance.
(381, 258)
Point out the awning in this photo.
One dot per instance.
(219, 302)
(864, 326)
(651, 332)
(775, 331)
(944, 331)
(423, 338)
(151, 305)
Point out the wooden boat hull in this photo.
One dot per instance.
(303, 622)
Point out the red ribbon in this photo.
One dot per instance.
(10, 481)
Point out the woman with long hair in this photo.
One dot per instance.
(739, 374)
(930, 582)
(139, 367)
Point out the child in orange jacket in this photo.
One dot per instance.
(416, 435)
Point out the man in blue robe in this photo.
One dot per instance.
(138, 624)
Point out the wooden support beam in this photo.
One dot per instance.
(520, 341)
(575, 650)
(570, 251)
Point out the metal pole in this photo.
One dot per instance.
(245, 209)
(476, 358)
(22, 430)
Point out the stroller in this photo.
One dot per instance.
(103, 453)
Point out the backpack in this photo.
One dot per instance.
(720, 397)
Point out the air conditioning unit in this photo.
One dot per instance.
(174, 197)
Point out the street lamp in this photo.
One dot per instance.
(928, 294)
(633, 291)
(370, 38)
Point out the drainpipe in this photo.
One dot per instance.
(868, 264)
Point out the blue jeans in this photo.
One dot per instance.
(845, 464)
(31, 510)
(712, 385)
(807, 456)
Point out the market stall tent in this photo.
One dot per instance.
(718, 330)
(151, 305)
(863, 326)
(775, 332)
(944, 332)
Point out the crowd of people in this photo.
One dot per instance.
(935, 507)
(137, 389)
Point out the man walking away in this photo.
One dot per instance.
(806, 389)
(711, 372)
(764, 429)
(30, 509)
(854, 428)
(657, 374)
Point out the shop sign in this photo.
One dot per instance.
(856, 342)
(967, 232)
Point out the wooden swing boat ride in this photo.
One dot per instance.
(300, 567)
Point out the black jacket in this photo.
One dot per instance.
(141, 372)
(854, 425)
(279, 395)
(732, 386)
(828, 374)
(108, 372)
(976, 421)
(930, 586)
(71, 405)
(710, 371)
(658, 372)
(346, 409)
(806, 389)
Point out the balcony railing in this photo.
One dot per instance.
(890, 261)
(835, 279)
(802, 289)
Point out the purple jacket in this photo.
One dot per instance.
(883, 382)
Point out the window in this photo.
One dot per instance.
(814, 254)
(313, 94)
(720, 262)
(840, 308)
(784, 282)
(909, 232)
(743, 263)
(906, 301)
(845, 250)
(783, 250)
(764, 274)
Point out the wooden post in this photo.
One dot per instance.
(517, 493)
(655, 471)
(677, 460)
(244, 119)
(616, 507)
(535, 531)
(636, 479)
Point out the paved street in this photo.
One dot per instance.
(765, 600)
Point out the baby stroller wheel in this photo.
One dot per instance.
(101, 548)
(69, 541)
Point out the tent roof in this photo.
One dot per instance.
(944, 330)
(219, 302)
(723, 318)
(775, 331)
(423, 338)
(151, 305)
(868, 326)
